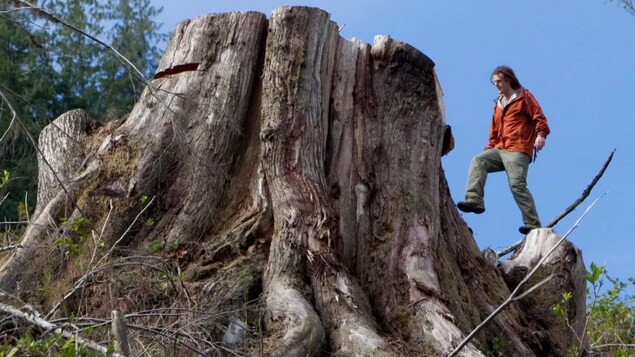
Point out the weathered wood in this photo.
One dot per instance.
(35, 320)
(567, 265)
(189, 126)
(303, 170)
(341, 151)
(62, 144)
(120, 331)
(300, 60)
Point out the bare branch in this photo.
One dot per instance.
(586, 322)
(609, 345)
(26, 205)
(14, 222)
(512, 297)
(10, 247)
(109, 253)
(584, 195)
(4, 198)
(13, 10)
(511, 248)
(35, 320)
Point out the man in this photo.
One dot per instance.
(518, 128)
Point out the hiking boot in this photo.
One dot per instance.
(470, 207)
(526, 229)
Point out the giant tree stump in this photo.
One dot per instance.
(289, 165)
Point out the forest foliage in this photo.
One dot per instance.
(47, 69)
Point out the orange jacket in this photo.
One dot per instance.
(515, 127)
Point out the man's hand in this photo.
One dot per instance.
(539, 143)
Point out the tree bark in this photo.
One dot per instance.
(302, 170)
(301, 49)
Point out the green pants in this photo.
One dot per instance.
(516, 165)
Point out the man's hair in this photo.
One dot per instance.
(508, 74)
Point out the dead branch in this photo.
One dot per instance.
(511, 248)
(120, 331)
(34, 319)
(568, 210)
(6, 223)
(512, 297)
(10, 247)
(613, 345)
(6, 132)
(4, 198)
(584, 195)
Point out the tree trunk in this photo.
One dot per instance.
(294, 168)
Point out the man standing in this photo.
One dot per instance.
(518, 128)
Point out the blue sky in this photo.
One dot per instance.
(578, 59)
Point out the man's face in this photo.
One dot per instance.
(502, 85)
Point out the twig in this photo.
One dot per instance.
(26, 205)
(568, 210)
(35, 320)
(586, 321)
(4, 198)
(126, 232)
(511, 248)
(9, 127)
(5, 223)
(629, 345)
(512, 297)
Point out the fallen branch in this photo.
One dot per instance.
(10, 247)
(120, 331)
(568, 210)
(35, 320)
(512, 297)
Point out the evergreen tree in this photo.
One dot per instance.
(47, 69)
(28, 80)
(135, 36)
